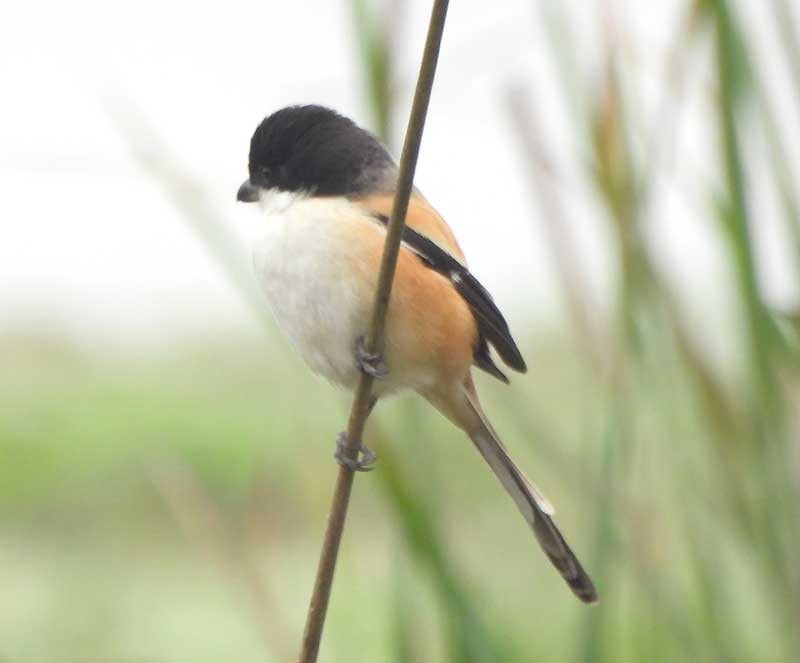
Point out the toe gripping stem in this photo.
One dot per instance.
(371, 363)
(364, 463)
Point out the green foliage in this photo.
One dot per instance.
(374, 38)
(172, 507)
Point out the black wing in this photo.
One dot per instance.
(492, 326)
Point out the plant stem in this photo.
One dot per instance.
(320, 597)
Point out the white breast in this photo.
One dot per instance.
(308, 266)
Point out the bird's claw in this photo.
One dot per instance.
(371, 363)
(364, 464)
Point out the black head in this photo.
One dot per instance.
(315, 150)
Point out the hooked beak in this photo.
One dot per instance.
(248, 193)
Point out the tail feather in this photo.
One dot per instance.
(533, 505)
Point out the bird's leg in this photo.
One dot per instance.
(364, 464)
(371, 363)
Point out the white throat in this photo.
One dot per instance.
(275, 202)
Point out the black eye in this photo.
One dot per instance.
(260, 175)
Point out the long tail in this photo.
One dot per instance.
(533, 505)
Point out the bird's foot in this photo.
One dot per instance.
(364, 464)
(371, 363)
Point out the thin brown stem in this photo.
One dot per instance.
(320, 597)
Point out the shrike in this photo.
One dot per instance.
(326, 187)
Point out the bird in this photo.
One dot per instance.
(325, 188)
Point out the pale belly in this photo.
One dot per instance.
(313, 277)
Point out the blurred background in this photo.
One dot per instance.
(623, 177)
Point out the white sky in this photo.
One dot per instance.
(90, 243)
